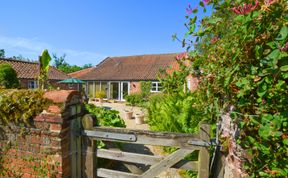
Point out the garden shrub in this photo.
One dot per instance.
(8, 77)
(105, 117)
(173, 113)
(140, 99)
(134, 99)
(240, 55)
(19, 106)
(145, 89)
(100, 94)
(175, 82)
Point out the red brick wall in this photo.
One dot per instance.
(47, 140)
(53, 83)
(135, 87)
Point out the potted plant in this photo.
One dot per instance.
(139, 118)
(100, 95)
(128, 113)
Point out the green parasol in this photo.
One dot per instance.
(72, 81)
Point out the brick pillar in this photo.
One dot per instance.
(53, 139)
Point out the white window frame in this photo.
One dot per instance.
(35, 84)
(157, 87)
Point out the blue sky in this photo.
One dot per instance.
(87, 31)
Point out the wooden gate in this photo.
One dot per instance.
(186, 144)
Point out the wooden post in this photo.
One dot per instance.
(89, 158)
(89, 147)
(203, 169)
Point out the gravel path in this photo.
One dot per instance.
(143, 149)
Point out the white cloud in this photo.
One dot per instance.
(31, 48)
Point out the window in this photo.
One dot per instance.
(32, 84)
(156, 87)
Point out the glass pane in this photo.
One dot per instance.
(90, 89)
(159, 87)
(125, 89)
(97, 87)
(114, 90)
(104, 87)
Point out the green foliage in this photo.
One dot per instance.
(61, 64)
(100, 94)
(22, 58)
(140, 99)
(175, 82)
(2, 53)
(8, 77)
(134, 99)
(241, 58)
(173, 113)
(44, 61)
(145, 88)
(19, 106)
(105, 117)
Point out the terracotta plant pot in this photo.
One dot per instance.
(128, 114)
(139, 119)
(100, 100)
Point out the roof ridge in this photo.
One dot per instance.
(81, 70)
(17, 60)
(139, 55)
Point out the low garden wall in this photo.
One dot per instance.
(45, 147)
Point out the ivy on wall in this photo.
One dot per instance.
(19, 106)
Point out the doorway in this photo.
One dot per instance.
(124, 90)
(114, 90)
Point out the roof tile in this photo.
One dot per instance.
(142, 67)
(30, 70)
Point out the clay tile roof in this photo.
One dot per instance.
(30, 70)
(79, 73)
(141, 67)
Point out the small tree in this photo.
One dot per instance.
(44, 60)
(8, 77)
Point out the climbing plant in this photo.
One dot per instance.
(17, 108)
(240, 53)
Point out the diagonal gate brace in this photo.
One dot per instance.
(168, 162)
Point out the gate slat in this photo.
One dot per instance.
(144, 137)
(108, 173)
(143, 159)
(128, 157)
(166, 163)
